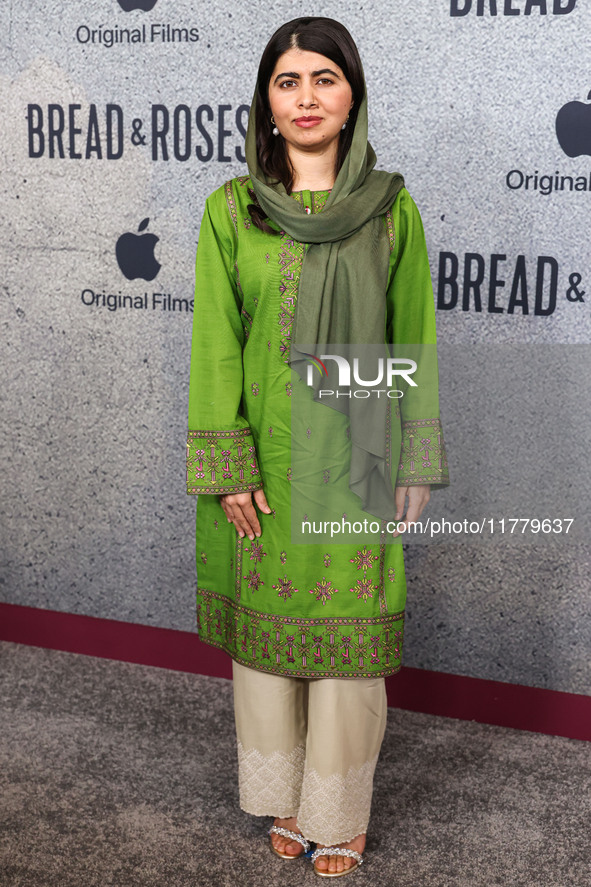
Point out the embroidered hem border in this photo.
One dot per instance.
(323, 647)
(422, 453)
(222, 462)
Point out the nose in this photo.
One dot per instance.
(307, 95)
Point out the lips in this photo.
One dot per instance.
(307, 121)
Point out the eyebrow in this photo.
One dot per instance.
(293, 75)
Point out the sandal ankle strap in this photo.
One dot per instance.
(286, 833)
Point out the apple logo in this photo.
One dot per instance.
(573, 128)
(135, 254)
(144, 5)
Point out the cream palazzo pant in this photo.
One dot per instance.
(308, 747)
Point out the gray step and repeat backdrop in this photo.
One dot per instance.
(118, 117)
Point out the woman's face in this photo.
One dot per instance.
(310, 99)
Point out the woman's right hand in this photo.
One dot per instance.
(240, 511)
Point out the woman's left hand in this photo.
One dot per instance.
(418, 496)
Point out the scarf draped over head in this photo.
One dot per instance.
(342, 289)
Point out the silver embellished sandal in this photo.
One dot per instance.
(294, 836)
(336, 851)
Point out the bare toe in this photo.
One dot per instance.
(335, 864)
(283, 844)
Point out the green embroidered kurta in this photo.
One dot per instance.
(305, 610)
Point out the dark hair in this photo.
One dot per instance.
(312, 34)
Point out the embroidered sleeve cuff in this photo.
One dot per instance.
(422, 454)
(222, 462)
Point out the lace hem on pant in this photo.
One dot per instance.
(270, 785)
(335, 809)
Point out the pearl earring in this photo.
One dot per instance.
(275, 130)
(344, 126)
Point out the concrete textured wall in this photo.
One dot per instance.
(94, 515)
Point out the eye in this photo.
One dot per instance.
(287, 83)
(326, 80)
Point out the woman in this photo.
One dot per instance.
(312, 247)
